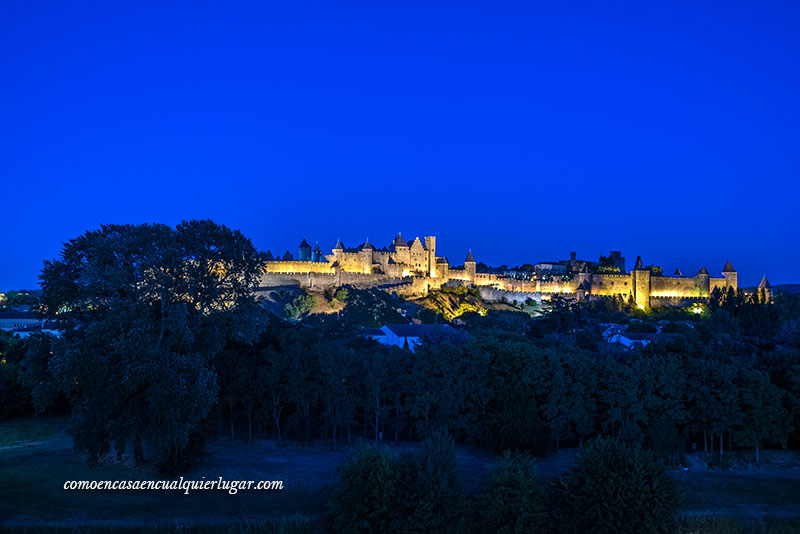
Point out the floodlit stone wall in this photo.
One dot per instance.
(412, 271)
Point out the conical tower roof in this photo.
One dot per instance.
(677, 272)
(639, 265)
(339, 245)
(399, 241)
(728, 268)
(470, 258)
(316, 248)
(304, 244)
(703, 271)
(764, 284)
(287, 256)
(268, 256)
(367, 245)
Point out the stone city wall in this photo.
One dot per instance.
(491, 294)
(669, 286)
(611, 284)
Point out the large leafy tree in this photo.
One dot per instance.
(516, 380)
(13, 397)
(376, 389)
(712, 396)
(569, 407)
(338, 382)
(763, 417)
(621, 406)
(144, 309)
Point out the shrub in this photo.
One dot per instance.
(618, 488)
(427, 316)
(514, 499)
(300, 306)
(370, 498)
(432, 499)
(365, 500)
(370, 308)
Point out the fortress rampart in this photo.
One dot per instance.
(413, 269)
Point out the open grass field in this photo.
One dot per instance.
(36, 458)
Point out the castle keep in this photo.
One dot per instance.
(412, 269)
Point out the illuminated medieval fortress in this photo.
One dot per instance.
(412, 269)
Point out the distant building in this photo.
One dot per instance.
(551, 267)
(618, 260)
(15, 320)
(405, 335)
(615, 334)
(304, 251)
(44, 327)
(765, 288)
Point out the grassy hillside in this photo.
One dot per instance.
(453, 302)
(447, 303)
(37, 457)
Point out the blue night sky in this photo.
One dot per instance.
(522, 131)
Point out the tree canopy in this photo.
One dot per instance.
(144, 309)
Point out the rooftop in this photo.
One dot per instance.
(19, 315)
(418, 330)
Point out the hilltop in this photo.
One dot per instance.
(792, 289)
(451, 302)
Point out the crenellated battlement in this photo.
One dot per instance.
(415, 268)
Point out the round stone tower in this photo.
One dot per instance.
(640, 277)
(470, 267)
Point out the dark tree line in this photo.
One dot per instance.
(705, 386)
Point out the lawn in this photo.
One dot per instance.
(36, 458)
(22, 431)
(742, 494)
